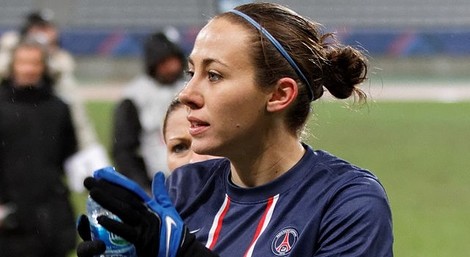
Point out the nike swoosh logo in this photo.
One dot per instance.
(169, 222)
(194, 231)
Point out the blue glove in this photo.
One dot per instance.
(173, 229)
(152, 225)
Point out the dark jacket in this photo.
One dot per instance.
(36, 137)
(127, 129)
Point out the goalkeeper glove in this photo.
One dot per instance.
(152, 225)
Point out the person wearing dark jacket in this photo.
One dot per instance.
(36, 137)
(43, 27)
(138, 149)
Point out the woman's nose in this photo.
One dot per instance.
(190, 96)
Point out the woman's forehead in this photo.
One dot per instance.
(221, 40)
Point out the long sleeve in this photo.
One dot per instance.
(70, 145)
(358, 222)
(126, 144)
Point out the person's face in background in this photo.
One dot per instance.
(178, 140)
(28, 66)
(45, 34)
(170, 70)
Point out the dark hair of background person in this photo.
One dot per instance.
(32, 43)
(156, 49)
(40, 18)
(175, 104)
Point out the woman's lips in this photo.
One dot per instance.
(197, 126)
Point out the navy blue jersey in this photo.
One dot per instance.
(323, 206)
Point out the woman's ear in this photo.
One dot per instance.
(283, 95)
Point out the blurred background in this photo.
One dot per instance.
(411, 38)
(414, 132)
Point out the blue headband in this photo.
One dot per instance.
(278, 47)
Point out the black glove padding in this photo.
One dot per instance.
(139, 225)
(88, 248)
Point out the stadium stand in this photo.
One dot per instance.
(115, 28)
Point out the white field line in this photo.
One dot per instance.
(399, 91)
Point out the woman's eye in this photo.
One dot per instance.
(179, 148)
(213, 76)
(189, 74)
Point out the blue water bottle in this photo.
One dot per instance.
(116, 246)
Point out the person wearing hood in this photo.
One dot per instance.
(138, 147)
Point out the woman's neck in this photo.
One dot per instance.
(263, 166)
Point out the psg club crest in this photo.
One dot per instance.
(284, 241)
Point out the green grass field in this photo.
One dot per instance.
(420, 151)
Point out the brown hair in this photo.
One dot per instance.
(33, 43)
(174, 105)
(324, 61)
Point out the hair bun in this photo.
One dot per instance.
(347, 69)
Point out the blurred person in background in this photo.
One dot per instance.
(39, 26)
(177, 138)
(138, 148)
(37, 136)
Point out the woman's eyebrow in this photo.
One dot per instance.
(207, 61)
